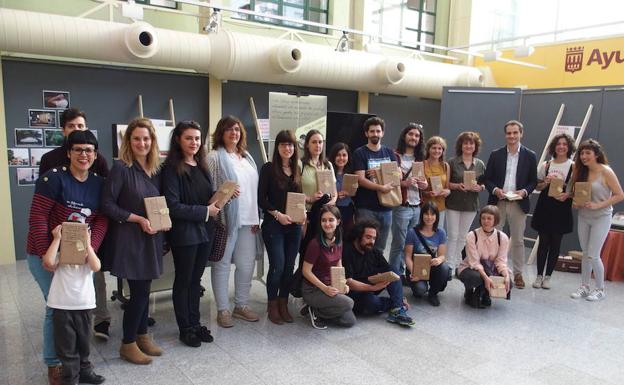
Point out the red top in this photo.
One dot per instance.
(322, 259)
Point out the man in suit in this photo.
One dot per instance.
(510, 177)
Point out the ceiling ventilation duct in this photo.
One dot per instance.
(391, 71)
(287, 57)
(141, 40)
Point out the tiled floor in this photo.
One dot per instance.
(539, 337)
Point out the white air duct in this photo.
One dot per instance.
(240, 56)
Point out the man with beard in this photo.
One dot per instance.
(404, 217)
(365, 159)
(362, 260)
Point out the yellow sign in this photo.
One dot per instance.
(572, 64)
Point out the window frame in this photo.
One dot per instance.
(306, 7)
(418, 28)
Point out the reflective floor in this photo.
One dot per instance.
(539, 337)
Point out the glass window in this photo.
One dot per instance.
(159, 3)
(309, 10)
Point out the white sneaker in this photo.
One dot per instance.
(596, 295)
(546, 282)
(581, 292)
(538, 282)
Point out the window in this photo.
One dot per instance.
(309, 10)
(402, 22)
(159, 3)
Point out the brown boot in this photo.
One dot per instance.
(274, 313)
(55, 374)
(283, 310)
(131, 353)
(148, 346)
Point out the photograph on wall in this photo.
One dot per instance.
(163, 130)
(56, 99)
(36, 154)
(42, 118)
(119, 130)
(28, 137)
(53, 137)
(18, 157)
(27, 176)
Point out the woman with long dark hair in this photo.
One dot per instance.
(187, 186)
(314, 160)
(340, 158)
(281, 235)
(594, 218)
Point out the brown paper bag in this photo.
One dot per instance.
(422, 266)
(555, 188)
(418, 169)
(470, 179)
(295, 207)
(350, 184)
(388, 276)
(157, 213)
(224, 194)
(498, 287)
(325, 182)
(582, 193)
(338, 279)
(436, 184)
(390, 173)
(389, 199)
(73, 243)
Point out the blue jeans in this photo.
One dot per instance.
(44, 280)
(403, 219)
(385, 220)
(282, 245)
(369, 302)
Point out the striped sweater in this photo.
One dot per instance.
(59, 197)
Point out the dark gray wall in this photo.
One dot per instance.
(107, 95)
(398, 111)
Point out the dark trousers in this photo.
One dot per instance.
(474, 284)
(369, 302)
(548, 252)
(438, 278)
(282, 245)
(347, 215)
(72, 329)
(136, 310)
(189, 262)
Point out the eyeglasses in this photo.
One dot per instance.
(79, 151)
(234, 128)
(286, 145)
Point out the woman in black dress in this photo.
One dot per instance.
(134, 249)
(188, 188)
(552, 216)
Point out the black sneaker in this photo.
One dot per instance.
(399, 316)
(101, 330)
(88, 376)
(204, 334)
(189, 338)
(433, 299)
(317, 322)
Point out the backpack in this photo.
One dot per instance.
(463, 252)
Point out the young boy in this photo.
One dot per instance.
(72, 296)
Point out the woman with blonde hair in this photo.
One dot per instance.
(133, 249)
(435, 166)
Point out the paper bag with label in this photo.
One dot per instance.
(393, 198)
(418, 170)
(388, 276)
(556, 187)
(325, 182)
(350, 184)
(224, 194)
(582, 193)
(338, 279)
(157, 213)
(498, 287)
(73, 243)
(470, 179)
(436, 184)
(422, 266)
(295, 207)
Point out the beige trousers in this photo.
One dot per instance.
(510, 212)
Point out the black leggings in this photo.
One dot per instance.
(190, 262)
(548, 251)
(136, 310)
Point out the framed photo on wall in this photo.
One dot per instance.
(18, 157)
(27, 176)
(58, 100)
(36, 154)
(53, 137)
(42, 118)
(28, 137)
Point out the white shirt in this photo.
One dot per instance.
(413, 197)
(72, 288)
(248, 181)
(511, 170)
(555, 170)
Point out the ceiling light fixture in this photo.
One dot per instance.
(343, 43)
(215, 21)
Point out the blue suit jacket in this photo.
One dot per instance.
(526, 174)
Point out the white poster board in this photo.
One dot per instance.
(570, 130)
(163, 130)
(297, 113)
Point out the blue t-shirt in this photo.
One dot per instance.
(438, 238)
(365, 159)
(341, 202)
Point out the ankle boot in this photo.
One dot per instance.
(282, 304)
(148, 346)
(274, 313)
(55, 374)
(131, 353)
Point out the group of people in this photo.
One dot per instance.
(340, 230)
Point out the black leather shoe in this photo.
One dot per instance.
(486, 300)
(433, 299)
(89, 377)
(189, 338)
(204, 334)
